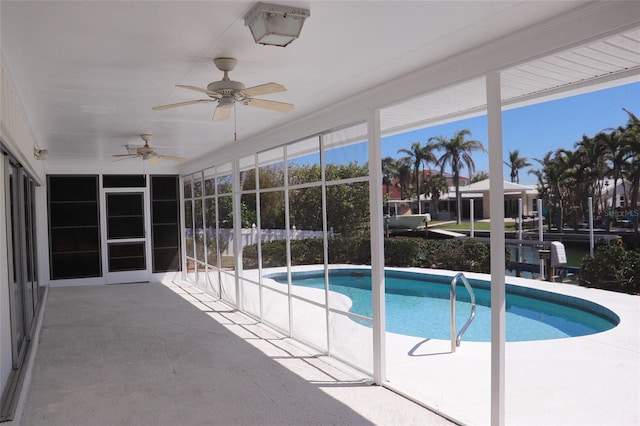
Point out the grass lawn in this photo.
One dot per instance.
(466, 226)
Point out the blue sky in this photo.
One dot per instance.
(537, 129)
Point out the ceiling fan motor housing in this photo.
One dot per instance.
(225, 87)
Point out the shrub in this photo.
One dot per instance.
(350, 250)
(403, 251)
(309, 251)
(463, 255)
(274, 253)
(612, 268)
(250, 257)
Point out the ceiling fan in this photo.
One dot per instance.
(146, 152)
(227, 92)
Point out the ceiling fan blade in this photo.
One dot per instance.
(221, 114)
(197, 89)
(272, 105)
(125, 155)
(172, 158)
(153, 161)
(179, 104)
(263, 89)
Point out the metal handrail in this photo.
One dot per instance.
(456, 339)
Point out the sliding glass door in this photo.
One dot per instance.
(24, 294)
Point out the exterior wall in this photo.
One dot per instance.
(486, 205)
(17, 139)
(15, 129)
(5, 321)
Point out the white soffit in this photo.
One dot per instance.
(604, 63)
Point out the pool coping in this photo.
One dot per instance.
(590, 379)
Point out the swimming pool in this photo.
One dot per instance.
(418, 305)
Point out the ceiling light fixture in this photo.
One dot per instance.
(275, 25)
(40, 154)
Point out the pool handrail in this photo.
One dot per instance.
(456, 339)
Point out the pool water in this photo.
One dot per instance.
(418, 305)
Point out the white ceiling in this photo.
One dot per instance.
(89, 72)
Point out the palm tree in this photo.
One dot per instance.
(479, 177)
(615, 156)
(590, 157)
(631, 146)
(389, 173)
(516, 163)
(556, 182)
(403, 169)
(457, 153)
(418, 155)
(435, 185)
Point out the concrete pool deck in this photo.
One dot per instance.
(586, 380)
(138, 354)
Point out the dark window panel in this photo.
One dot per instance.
(74, 231)
(124, 204)
(77, 239)
(73, 188)
(76, 265)
(166, 260)
(124, 181)
(165, 236)
(126, 257)
(165, 223)
(125, 227)
(165, 212)
(164, 188)
(73, 214)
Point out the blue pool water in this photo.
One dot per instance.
(418, 305)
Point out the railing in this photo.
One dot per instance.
(456, 339)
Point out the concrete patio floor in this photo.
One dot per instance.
(169, 354)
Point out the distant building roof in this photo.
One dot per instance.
(483, 186)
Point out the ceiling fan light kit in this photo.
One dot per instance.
(275, 25)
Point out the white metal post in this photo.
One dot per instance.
(540, 223)
(471, 216)
(377, 247)
(496, 200)
(591, 245)
(540, 236)
(520, 229)
(237, 229)
(519, 218)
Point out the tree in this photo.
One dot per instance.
(389, 173)
(435, 185)
(457, 154)
(631, 146)
(516, 163)
(615, 157)
(418, 155)
(404, 176)
(480, 176)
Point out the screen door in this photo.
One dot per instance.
(126, 217)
